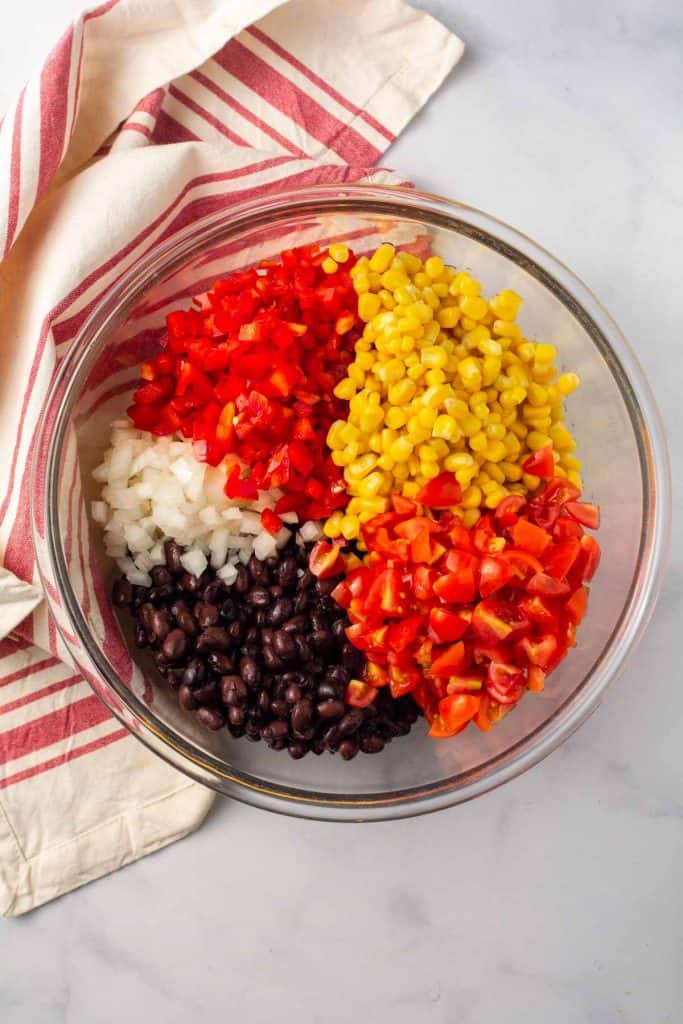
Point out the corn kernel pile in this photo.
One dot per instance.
(443, 379)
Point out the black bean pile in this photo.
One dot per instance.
(266, 657)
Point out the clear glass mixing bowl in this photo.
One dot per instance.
(613, 416)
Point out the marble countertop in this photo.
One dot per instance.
(556, 898)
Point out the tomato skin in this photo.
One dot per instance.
(567, 527)
(494, 573)
(584, 512)
(560, 557)
(423, 580)
(547, 586)
(359, 694)
(576, 605)
(271, 522)
(456, 588)
(541, 652)
(402, 633)
(522, 563)
(449, 662)
(505, 682)
(540, 463)
(537, 610)
(507, 511)
(530, 537)
(458, 709)
(588, 560)
(446, 626)
(441, 492)
(387, 594)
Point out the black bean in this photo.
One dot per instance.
(145, 615)
(327, 691)
(235, 631)
(187, 623)
(350, 657)
(280, 611)
(260, 617)
(371, 744)
(318, 745)
(233, 691)
(160, 624)
(195, 673)
(212, 718)
(236, 715)
(301, 602)
(175, 676)
(271, 562)
(303, 648)
(302, 716)
(293, 693)
(259, 571)
(174, 645)
(211, 593)
(351, 721)
(205, 614)
(285, 646)
(173, 553)
(338, 675)
(189, 583)
(322, 641)
(280, 708)
(267, 635)
(348, 748)
(296, 624)
(286, 572)
(263, 702)
(221, 664)
(160, 575)
(249, 671)
(258, 597)
(275, 731)
(140, 635)
(186, 698)
(329, 710)
(275, 591)
(252, 635)
(207, 693)
(296, 750)
(271, 660)
(122, 593)
(214, 638)
(332, 738)
(339, 629)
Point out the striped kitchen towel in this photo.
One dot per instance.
(144, 115)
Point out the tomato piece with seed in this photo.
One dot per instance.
(505, 682)
(494, 621)
(402, 633)
(538, 610)
(508, 510)
(387, 594)
(325, 560)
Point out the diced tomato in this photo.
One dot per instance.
(540, 463)
(540, 652)
(271, 522)
(325, 560)
(529, 537)
(449, 661)
(456, 587)
(537, 610)
(545, 508)
(584, 512)
(508, 509)
(522, 563)
(360, 694)
(485, 539)
(535, 679)
(441, 492)
(566, 528)
(403, 506)
(505, 682)
(494, 573)
(576, 605)
(402, 633)
(547, 586)
(464, 684)
(482, 718)
(589, 559)
(446, 626)
(371, 641)
(461, 561)
(387, 594)
(457, 710)
(423, 579)
(494, 620)
(375, 674)
(560, 557)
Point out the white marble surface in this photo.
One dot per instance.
(555, 900)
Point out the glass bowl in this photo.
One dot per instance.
(613, 417)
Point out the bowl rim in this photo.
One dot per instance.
(636, 394)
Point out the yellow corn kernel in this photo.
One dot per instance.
(400, 471)
(426, 453)
(341, 458)
(395, 417)
(371, 418)
(366, 360)
(495, 431)
(478, 442)
(329, 265)
(535, 440)
(545, 353)
(434, 357)
(361, 283)
(470, 517)
(513, 473)
(567, 383)
(401, 449)
(380, 261)
(571, 462)
(369, 305)
(526, 351)
(537, 395)
(427, 418)
(345, 389)
(339, 252)
(402, 391)
(388, 300)
(416, 372)
(447, 428)
(467, 284)
(371, 485)
(506, 304)
(385, 462)
(512, 396)
(434, 396)
(410, 489)
(494, 498)
(473, 306)
(350, 527)
(434, 267)
(448, 316)
(390, 372)
(470, 374)
(458, 461)
(506, 329)
(481, 411)
(360, 467)
(575, 478)
(434, 378)
(333, 526)
(530, 481)
(472, 497)
(494, 472)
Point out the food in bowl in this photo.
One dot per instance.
(383, 402)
